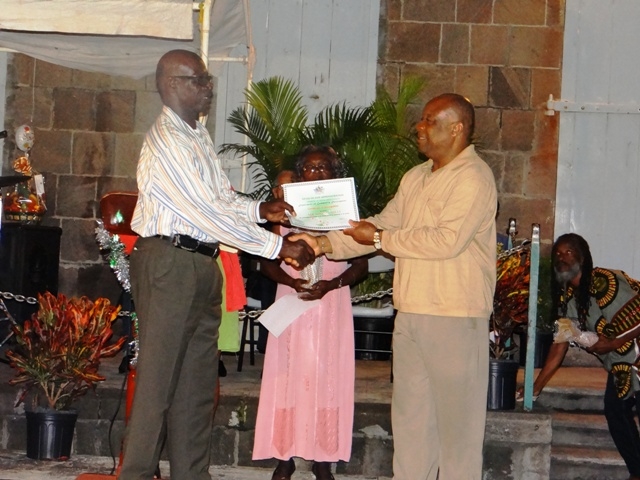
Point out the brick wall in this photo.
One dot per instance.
(504, 55)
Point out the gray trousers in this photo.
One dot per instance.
(177, 297)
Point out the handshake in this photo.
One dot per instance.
(301, 249)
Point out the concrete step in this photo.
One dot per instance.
(581, 430)
(586, 463)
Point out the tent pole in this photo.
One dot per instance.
(250, 65)
(205, 25)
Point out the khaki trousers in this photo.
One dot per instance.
(177, 296)
(438, 410)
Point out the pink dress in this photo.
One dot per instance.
(307, 394)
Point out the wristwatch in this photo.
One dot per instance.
(376, 239)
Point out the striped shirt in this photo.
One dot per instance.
(183, 189)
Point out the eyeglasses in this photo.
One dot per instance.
(203, 80)
(316, 168)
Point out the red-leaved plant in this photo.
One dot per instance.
(59, 349)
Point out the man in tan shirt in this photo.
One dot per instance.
(440, 227)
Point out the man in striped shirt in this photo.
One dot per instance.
(186, 206)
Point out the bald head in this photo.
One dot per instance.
(463, 110)
(175, 62)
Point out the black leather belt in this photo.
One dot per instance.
(185, 242)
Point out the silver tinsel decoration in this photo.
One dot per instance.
(113, 250)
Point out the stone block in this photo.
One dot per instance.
(535, 47)
(114, 184)
(16, 426)
(52, 151)
(97, 280)
(510, 87)
(50, 75)
(378, 459)
(513, 180)
(489, 45)
(93, 437)
(413, 42)
(20, 69)
(555, 13)
(473, 82)
(148, 107)
(132, 84)
(496, 161)
(475, 11)
(544, 81)
(455, 43)
(429, 10)
(487, 134)
(223, 446)
(540, 176)
(76, 196)
(370, 415)
(518, 130)
(91, 80)
(74, 109)
(439, 79)
(128, 146)
(79, 244)
(29, 105)
(115, 111)
(508, 12)
(391, 9)
(93, 153)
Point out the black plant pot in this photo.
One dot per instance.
(50, 434)
(503, 375)
(542, 347)
(373, 337)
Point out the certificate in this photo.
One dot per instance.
(323, 204)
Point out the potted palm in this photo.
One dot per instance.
(374, 142)
(56, 358)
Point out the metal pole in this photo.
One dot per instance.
(533, 317)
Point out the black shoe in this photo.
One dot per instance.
(222, 370)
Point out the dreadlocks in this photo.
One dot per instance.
(583, 254)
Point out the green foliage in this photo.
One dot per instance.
(60, 347)
(374, 142)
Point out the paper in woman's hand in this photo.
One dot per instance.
(284, 311)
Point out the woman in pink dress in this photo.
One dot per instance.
(307, 393)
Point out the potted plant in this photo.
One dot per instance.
(56, 359)
(510, 310)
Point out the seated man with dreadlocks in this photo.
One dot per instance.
(605, 302)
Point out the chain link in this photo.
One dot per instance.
(18, 298)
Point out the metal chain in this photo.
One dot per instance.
(18, 298)
(242, 315)
(253, 314)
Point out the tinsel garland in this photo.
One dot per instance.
(113, 250)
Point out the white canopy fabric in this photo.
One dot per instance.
(118, 37)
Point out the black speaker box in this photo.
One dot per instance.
(29, 261)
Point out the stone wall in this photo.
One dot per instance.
(505, 58)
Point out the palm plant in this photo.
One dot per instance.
(374, 142)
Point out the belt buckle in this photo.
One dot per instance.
(177, 243)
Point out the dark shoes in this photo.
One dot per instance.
(284, 470)
(322, 470)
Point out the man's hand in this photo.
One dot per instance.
(604, 345)
(362, 232)
(312, 241)
(274, 211)
(296, 253)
